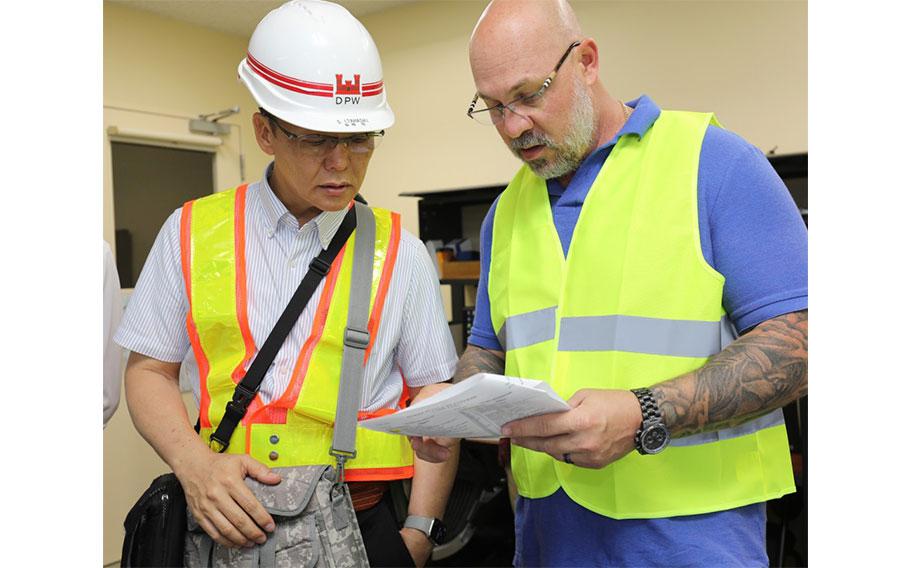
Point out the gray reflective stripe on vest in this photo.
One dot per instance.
(769, 420)
(527, 329)
(683, 338)
(680, 338)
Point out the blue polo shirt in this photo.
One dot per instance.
(752, 233)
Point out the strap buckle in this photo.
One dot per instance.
(320, 266)
(234, 411)
(240, 401)
(216, 445)
(356, 338)
(341, 457)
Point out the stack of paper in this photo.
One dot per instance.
(474, 408)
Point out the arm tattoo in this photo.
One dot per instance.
(478, 360)
(761, 371)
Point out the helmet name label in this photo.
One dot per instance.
(347, 100)
(353, 122)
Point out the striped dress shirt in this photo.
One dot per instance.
(413, 341)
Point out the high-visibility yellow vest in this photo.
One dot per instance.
(633, 303)
(294, 428)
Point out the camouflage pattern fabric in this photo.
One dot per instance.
(311, 528)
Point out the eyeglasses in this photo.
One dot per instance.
(496, 113)
(321, 144)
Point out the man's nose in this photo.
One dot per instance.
(337, 159)
(514, 125)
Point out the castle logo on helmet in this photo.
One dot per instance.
(347, 87)
(347, 91)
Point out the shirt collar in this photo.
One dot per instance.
(276, 214)
(644, 114)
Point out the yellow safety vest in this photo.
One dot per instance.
(296, 427)
(633, 303)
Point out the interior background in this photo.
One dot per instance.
(744, 60)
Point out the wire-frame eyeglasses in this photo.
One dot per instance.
(496, 113)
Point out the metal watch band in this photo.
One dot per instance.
(649, 408)
(652, 422)
(426, 525)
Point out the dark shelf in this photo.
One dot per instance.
(790, 165)
(478, 194)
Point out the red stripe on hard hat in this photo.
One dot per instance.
(289, 83)
(287, 79)
(371, 89)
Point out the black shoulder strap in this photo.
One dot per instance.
(247, 388)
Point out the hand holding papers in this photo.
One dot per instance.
(474, 408)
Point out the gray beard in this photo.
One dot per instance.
(573, 150)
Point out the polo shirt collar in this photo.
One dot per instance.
(641, 120)
(277, 214)
(644, 115)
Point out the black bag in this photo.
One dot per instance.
(156, 525)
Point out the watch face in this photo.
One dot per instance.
(438, 532)
(654, 438)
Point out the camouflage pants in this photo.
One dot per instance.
(315, 525)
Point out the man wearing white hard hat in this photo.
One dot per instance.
(224, 267)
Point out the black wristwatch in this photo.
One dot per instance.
(433, 528)
(653, 436)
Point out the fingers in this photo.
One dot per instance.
(578, 446)
(210, 530)
(598, 430)
(222, 503)
(250, 515)
(579, 397)
(247, 501)
(556, 446)
(450, 443)
(227, 531)
(430, 450)
(259, 471)
(232, 508)
(545, 425)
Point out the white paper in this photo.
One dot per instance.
(474, 408)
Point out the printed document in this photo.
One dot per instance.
(474, 408)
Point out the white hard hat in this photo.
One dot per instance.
(312, 64)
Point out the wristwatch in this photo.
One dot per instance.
(652, 436)
(433, 528)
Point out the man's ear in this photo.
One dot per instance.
(589, 59)
(264, 135)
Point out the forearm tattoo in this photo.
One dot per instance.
(477, 360)
(764, 369)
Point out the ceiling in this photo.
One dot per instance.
(237, 17)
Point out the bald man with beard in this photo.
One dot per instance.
(651, 266)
